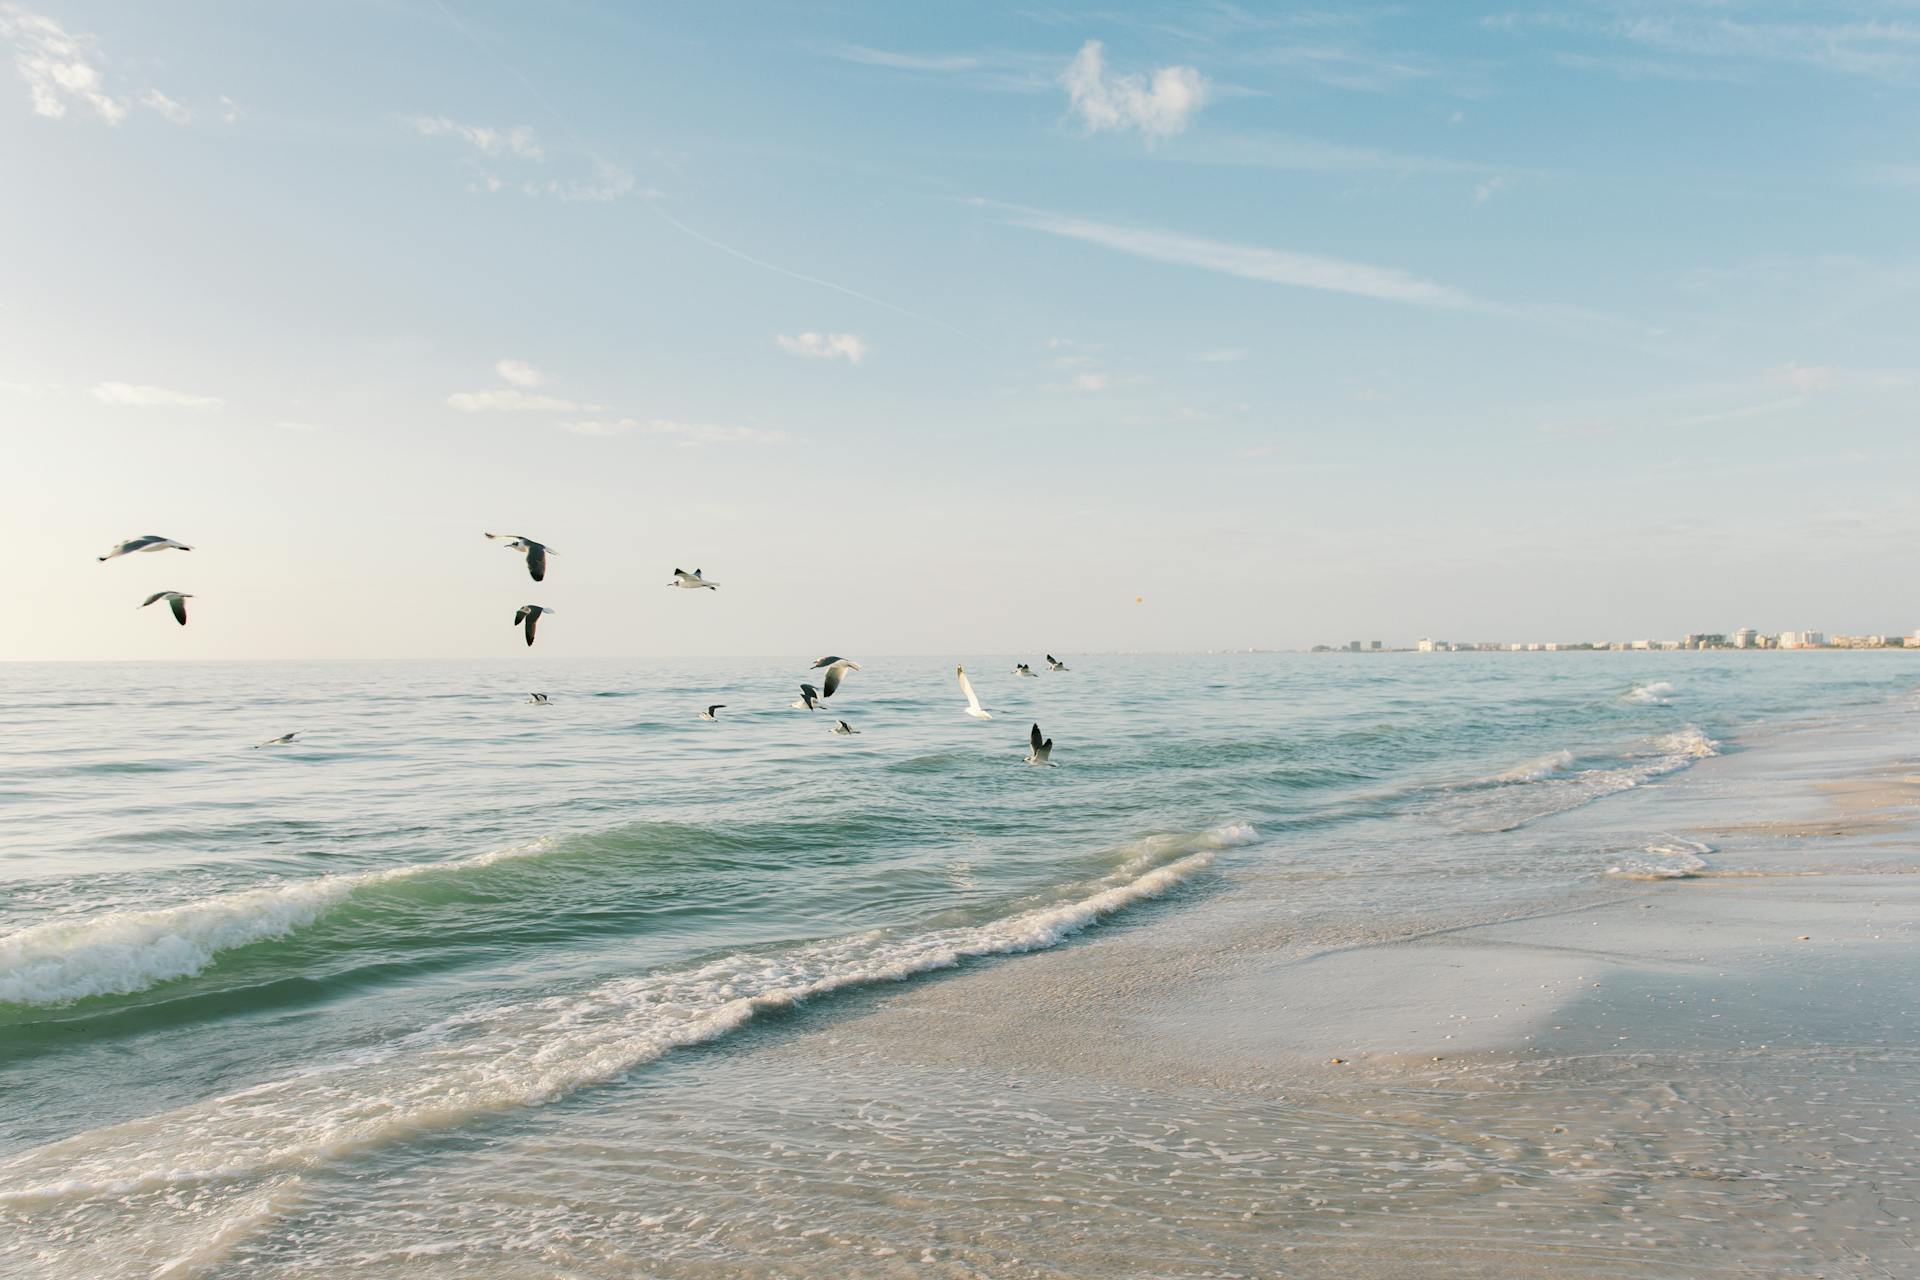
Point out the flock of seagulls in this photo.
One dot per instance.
(833, 668)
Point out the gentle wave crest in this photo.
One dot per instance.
(496, 1060)
(1669, 858)
(122, 952)
(1657, 693)
(1534, 770)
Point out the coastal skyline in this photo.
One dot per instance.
(955, 334)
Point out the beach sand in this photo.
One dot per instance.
(1712, 1074)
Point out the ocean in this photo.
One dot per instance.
(456, 983)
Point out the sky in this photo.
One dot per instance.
(948, 329)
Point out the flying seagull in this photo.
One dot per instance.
(809, 697)
(530, 615)
(692, 581)
(842, 728)
(836, 672)
(1042, 748)
(974, 708)
(1022, 669)
(708, 713)
(175, 601)
(1054, 664)
(538, 699)
(151, 542)
(537, 552)
(280, 741)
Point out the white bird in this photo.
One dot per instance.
(529, 615)
(538, 699)
(151, 542)
(1042, 747)
(175, 601)
(708, 713)
(843, 728)
(280, 741)
(537, 552)
(692, 581)
(836, 672)
(809, 698)
(1054, 664)
(1022, 669)
(974, 708)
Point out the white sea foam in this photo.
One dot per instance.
(1658, 693)
(1668, 858)
(121, 952)
(1534, 770)
(526, 1054)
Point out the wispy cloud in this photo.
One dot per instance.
(1294, 154)
(1157, 107)
(166, 108)
(1870, 46)
(62, 69)
(509, 400)
(1252, 262)
(905, 61)
(686, 432)
(144, 396)
(519, 373)
(1485, 191)
(518, 141)
(850, 347)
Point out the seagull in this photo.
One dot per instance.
(836, 672)
(809, 697)
(708, 713)
(692, 581)
(537, 552)
(974, 708)
(280, 741)
(151, 542)
(842, 728)
(530, 615)
(1042, 748)
(1022, 669)
(538, 699)
(175, 601)
(1054, 664)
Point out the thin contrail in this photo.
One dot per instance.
(574, 136)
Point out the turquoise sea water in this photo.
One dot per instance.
(444, 908)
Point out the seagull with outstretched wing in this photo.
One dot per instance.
(974, 708)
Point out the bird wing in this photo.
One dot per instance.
(966, 687)
(715, 707)
(537, 561)
(827, 661)
(179, 604)
(533, 618)
(520, 614)
(834, 673)
(1035, 738)
(158, 595)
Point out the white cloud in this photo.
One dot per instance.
(688, 432)
(519, 373)
(510, 401)
(518, 141)
(1806, 379)
(1487, 190)
(1158, 108)
(824, 346)
(1253, 262)
(165, 107)
(1090, 382)
(230, 111)
(143, 396)
(61, 69)
(1225, 355)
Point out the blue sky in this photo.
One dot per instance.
(956, 329)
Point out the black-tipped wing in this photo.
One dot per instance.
(519, 615)
(833, 679)
(715, 707)
(179, 604)
(1035, 738)
(537, 561)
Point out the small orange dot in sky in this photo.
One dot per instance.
(1139, 599)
